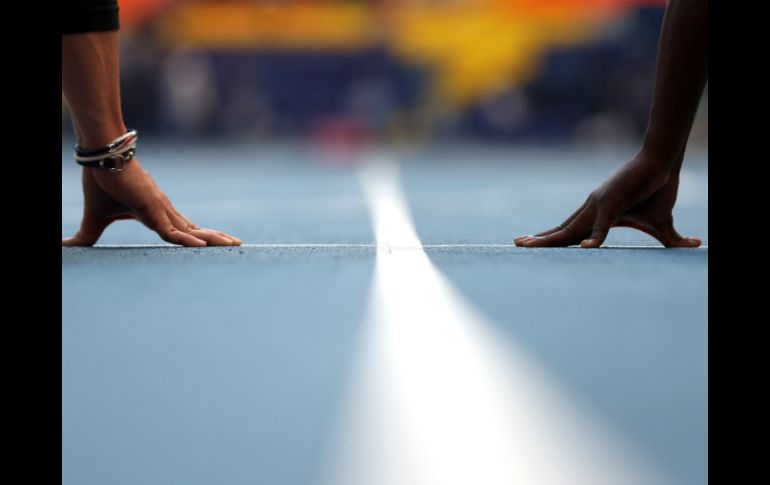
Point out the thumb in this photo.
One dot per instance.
(670, 238)
(91, 228)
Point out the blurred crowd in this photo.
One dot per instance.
(576, 71)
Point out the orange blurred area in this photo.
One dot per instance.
(475, 47)
(248, 25)
(134, 13)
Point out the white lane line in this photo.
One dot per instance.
(368, 246)
(439, 398)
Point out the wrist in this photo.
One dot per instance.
(662, 149)
(100, 134)
(113, 157)
(654, 169)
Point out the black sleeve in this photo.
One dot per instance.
(89, 16)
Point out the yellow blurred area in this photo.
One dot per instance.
(478, 51)
(473, 48)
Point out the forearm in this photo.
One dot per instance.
(681, 74)
(91, 86)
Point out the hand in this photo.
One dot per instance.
(132, 194)
(637, 196)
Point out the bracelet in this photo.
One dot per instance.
(113, 157)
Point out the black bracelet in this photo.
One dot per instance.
(112, 157)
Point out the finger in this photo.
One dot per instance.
(602, 225)
(91, 228)
(519, 240)
(212, 238)
(561, 238)
(190, 227)
(573, 233)
(236, 240)
(668, 235)
(161, 224)
(175, 236)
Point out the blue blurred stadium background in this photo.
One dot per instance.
(350, 72)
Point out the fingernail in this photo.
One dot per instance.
(588, 243)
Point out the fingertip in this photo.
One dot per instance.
(590, 243)
(234, 241)
(685, 242)
(75, 241)
(693, 242)
(519, 239)
(533, 242)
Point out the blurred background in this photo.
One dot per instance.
(346, 72)
(235, 365)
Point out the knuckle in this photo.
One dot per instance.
(598, 198)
